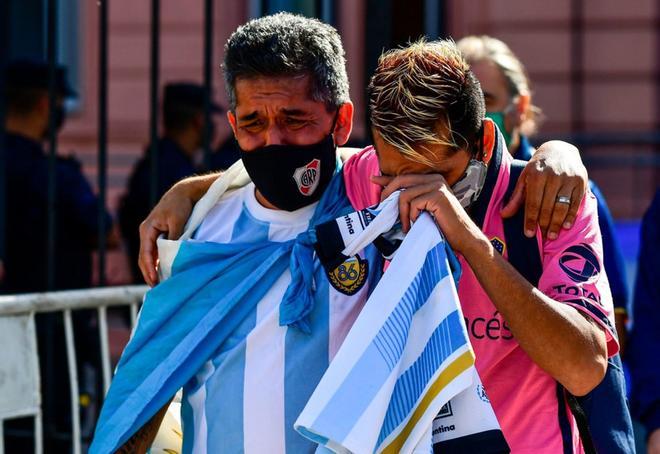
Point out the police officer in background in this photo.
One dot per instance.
(28, 108)
(25, 263)
(178, 150)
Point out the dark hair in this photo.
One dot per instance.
(466, 114)
(288, 45)
(23, 100)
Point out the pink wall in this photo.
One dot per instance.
(620, 76)
(181, 55)
(181, 58)
(619, 91)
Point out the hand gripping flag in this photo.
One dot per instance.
(405, 357)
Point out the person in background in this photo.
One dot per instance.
(26, 263)
(178, 150)
(76, 205)
(508, 96)
(642, 354)
(227, 153)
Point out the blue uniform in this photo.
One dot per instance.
(26, 271)
(27, 200)
(173, 165)
(251, 390)
(226, 154)
(642, 355)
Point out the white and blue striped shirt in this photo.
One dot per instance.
(248, 395)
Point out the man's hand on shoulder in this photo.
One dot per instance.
(555, 170)
(169, 217)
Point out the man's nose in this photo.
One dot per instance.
(274, 135)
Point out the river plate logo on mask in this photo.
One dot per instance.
(307, 177)
(349, 277)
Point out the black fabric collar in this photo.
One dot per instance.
(480, 206)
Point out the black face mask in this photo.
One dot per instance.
(292, 176)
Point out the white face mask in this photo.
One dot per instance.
(468, 188)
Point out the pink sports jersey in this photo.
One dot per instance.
(524, 397)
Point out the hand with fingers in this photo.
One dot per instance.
(551, 187)
(431, 193)
(168, 217)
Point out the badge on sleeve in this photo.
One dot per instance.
(349, 277)
(498, 244)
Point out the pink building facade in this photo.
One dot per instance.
(593, 63)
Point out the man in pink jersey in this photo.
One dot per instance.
(530, 343)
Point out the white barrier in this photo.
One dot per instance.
(20, 393)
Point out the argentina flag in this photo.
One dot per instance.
(210, 291)
(405, 357)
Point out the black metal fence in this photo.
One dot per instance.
(325, 9)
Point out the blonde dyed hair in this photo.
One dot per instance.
(487, 48)
(419, 94)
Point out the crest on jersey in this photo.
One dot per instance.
(307, 177)
(349, 277)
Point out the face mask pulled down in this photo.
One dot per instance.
(292, 176)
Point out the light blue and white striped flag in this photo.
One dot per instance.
(405, 357)
(186, 318)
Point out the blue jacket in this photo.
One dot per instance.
(642, 354)
(76, 228)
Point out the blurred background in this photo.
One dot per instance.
(593, 64)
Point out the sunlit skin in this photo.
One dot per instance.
(281, 111)
(498, 98)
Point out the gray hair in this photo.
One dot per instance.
(286, 44)
(487, 48)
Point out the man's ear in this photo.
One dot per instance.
(522, 106)
(232, 121)
(344, 124)
(42, 111)
(489, 139)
